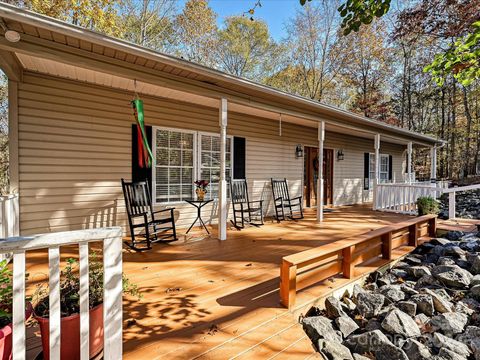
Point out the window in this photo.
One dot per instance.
(178, 162)
(174, 170)
(210, 160)
(384, 169)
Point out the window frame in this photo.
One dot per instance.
(197, 160)
(370, 178)
(199, 152)
(154, 162)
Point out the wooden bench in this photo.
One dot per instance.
(341, 257)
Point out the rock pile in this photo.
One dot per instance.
(467, 205)
(426, 307)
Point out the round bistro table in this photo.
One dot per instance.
(198, 204)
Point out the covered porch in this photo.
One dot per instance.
(70, 128)
(214, 299)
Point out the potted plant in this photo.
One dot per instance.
(201, 189)
(70, 309)
(427, 205)
(6, 301)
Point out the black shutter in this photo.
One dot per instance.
(366, 171)
(138, 173)
(239, 158)
(390, 167)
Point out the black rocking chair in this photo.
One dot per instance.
(282, 200)
(243, 208)
(139, 206)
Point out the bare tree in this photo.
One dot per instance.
(149, 23)
(312, 41)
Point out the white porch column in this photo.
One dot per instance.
(222, 191)
(409, 161)
(433, 164)
(377, 170)
(321, 139)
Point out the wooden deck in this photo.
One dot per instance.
(208, 299)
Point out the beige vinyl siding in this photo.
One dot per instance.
(75, 145)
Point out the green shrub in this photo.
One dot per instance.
(427, 205)
(70, 288)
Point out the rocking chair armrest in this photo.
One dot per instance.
(279, 198)
(163, 210)
(145, 215)
(299, 198)
(256, 201)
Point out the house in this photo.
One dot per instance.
(71, 132)
(72, 138)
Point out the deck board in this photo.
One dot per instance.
(212, 299)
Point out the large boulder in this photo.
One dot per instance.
(408, 307)
(320, 327)
(440, 303)
(471, 338)
(333, 307)
(333, 350)
(440, 341)
(392, 293)
(446, 354)
(427, 281)
(346, 325)
(452, 276)
(449, 323)
(360, 357)
(475, 280)
(369, 304)
(424, 303)
(415, 350)
(454, 235)
(377, 343)
(475, 292)
(419, 271)
(397, 322)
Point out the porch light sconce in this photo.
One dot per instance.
(11, 35)
(299, 151)
(340, 155)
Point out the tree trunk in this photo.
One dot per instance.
(452, 129)
(442, 134)
(468, 115)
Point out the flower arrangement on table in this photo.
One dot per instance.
(201, 189)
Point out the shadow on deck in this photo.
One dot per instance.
(211, 299)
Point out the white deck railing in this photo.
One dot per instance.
(112, 295)
(402, 198)
(452, 197)
(9, 224)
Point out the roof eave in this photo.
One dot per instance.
(34, 19)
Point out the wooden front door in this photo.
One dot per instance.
(311, 176)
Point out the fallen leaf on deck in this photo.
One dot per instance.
(213, 329)
(131, 322)
(169, 290)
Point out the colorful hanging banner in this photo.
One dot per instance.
(145, 155)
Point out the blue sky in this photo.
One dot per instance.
(274, 12)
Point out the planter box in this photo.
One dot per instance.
(70, 335)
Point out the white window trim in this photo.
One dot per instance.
(154, 162)
(370, 179)
(197, 151)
